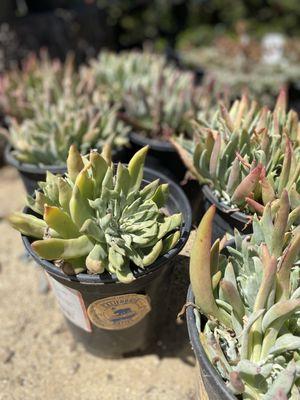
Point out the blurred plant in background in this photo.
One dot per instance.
(38, 81)
(240, 63)
(48, 106)
(114, 73)
(46, 138)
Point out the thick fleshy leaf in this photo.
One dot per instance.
(266, 285)
(284, 343)
(99, 168)
(54, 249)
(282, 384)
(247, 186)
(135, 167)
(29, 225)
(61, 222)
(65, 194)
(161, 195)
(95, 261)
(153, 254)
(286, 168)
(200, 269)
(74, 163)
(280, 311)
(79, 208)
(280, 224)
(288, 259)
(85, 183)
(233, 297)
(170, 242)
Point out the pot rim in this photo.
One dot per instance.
(154, 144)
(105, 278)
(237, 215)
(210, 372)
(40, 168)
(31, 168)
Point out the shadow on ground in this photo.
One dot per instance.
(174, 340)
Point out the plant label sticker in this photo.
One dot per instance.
(71, 304)
(119, 312)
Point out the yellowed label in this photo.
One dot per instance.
(119, 312)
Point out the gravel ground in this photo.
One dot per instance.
(40, 360)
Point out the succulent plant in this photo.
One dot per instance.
(162, 107)
(122, 72)
(251, 299)
(244, 62)
(46, 138)
(39, 81)
(155, 98)
(247, 154)
(98, 219)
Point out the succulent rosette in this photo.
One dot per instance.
(98, 218)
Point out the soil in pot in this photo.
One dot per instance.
(209, 383)
(114, 319)
(32, 174)
(225, 220)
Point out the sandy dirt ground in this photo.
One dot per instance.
(40, 360)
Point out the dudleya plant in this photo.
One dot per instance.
(155, 98)
(46, 138)
(248, 155)
(96, 219)
(251, 298)
(163, 106)
(120, 72)
(39, 81)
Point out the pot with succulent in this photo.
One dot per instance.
(107, 236)
(38, 80)
(243, 308)
(244, 157)
(41, 144)
(157, 100)
(48, 107)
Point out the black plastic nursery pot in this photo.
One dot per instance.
(197, 70)
(114, 319)
(32, 174)
(29, 173)
(209, 383)
(164, 158)
(294, 96)
(161, 156)
(225, 220)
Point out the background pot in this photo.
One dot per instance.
(209, 383)
(294, 96)
(32, 174)
(161, 156)
(152, 284)
(164, 158)
(225, 221)
(182, 64)
(29, 173)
